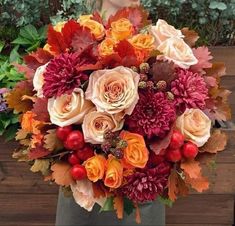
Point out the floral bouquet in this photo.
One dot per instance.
(119, 111)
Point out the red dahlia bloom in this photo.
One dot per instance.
(146, 184)
(189, 90)
(152, 116)
(61, 75)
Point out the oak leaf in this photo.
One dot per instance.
(176, 186)
(15, 97)
(52, 142)
(217, 69)
(192, 168)
(40, 109)
(190, 36)
(217, 142)
(37, 58)
(61, 174)
(40, 165)
(199, 184)
(38, 152)
(118, 205)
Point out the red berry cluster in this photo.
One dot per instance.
(73, 140)
(179, 149)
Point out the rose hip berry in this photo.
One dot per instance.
(73, 159)
(78, 172)
(63, 132)
(177, 140)
(75, 140)
(85, 153)
(173, 155)
(190, 150)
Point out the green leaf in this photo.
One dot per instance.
(29, 32)
(42, 32)
(217, 5)
(165, 201)
(14, 55)
(22, 41)
(108, 205)
(2, 44)
(10, 132)
(128, 206)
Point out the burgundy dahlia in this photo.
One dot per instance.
(61, 76)
(145, 185)
(189, 90)
(153, 115)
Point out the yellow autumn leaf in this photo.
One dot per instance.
(40, 165)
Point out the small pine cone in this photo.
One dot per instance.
(170, 95)
(161, 85)
(118, 153)
(150, 84)
(135, 69)
(143, 77)
(142, 85)
(144, 68)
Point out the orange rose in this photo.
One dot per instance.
(106, 47)
(97, 29)
(121, 29)
(29, 124)
(143, 42)
(136, 152)
(114, 173)
(95, 167)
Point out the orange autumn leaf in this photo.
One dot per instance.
(199, 184)
(216, 142)
(217, 69)
(15, 101)
(118, 205)
(36, 139)
(190, 36)
(192, 168)
(61, 174)
(176, 186)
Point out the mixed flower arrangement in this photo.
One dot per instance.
(119, 111)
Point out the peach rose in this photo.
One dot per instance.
(136, 153)
(95, 167)
(84, 196)
(97, 29)
(38, 80)
(121, 29)
(114, 90)
(96, 124)
(106, 47)
(69, 109)
(162, 31)
(178, 51)
(195, 125)
(114, 173)
(143, 42)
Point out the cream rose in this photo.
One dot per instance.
(178, 51)
(162, 31)
(38, 80)
(84, 196)
(69, 109)
(195, 125)
(114, 90)
(96, 124)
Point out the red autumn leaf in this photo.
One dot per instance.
(161, 144)
(37, 58)
(192, 168)
(99, 190)
(217, 142)
(69, 30)
(28, 72)
(137, 16)
(38, 152)
(118, 205)
(203, 56)
(61, 174)
(190, 36)
(40, 109)
(82, 40)
(56, 41)
(163, 70)
(97, 17)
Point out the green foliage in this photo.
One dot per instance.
(31, 38)
(214, 20)
(108, 205)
